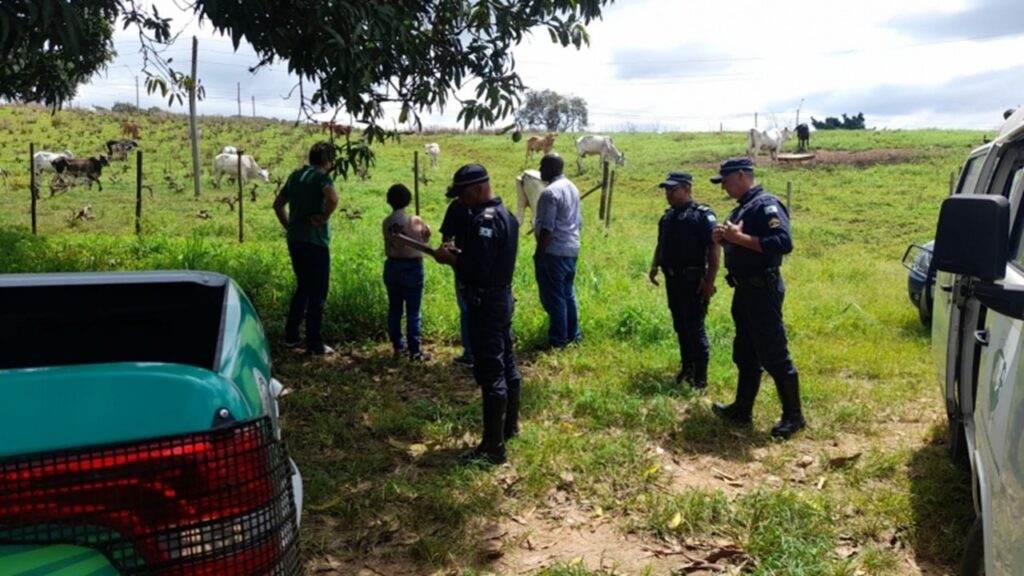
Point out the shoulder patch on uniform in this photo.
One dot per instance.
(703, 207)
(711, 217)
(771, 209)
(774, 223)
(487, 232)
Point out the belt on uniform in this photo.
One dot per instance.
(403, 259)
(757, 279)
(687, 272)
(472, 290)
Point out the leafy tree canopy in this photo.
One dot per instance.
(552, 111)
(355, 54)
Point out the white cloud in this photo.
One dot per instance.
(693, 66)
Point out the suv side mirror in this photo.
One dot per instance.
(973, 236)
(973, 241)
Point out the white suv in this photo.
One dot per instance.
(977, 345)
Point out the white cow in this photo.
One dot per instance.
(600, 145)
(528, 189)
(229, 150)
(42, 161)
(434, 151)
(228, 164)
(770, 140)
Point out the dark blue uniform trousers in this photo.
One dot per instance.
(688, 313)
(494, 363)
(760, 340)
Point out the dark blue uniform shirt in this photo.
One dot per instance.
(684, 234)
(764, 217)
(456, 219)
(488, 256)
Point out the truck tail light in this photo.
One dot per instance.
(217, 502)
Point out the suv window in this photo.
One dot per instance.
(971, 173)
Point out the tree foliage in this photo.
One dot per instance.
(359, 56)
(551, 111)
(847, 123)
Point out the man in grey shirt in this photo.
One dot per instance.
(557, 225)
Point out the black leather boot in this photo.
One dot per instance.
(740, 412)
(512, 412)
(492, 448)
(700, 376)
(792, 416)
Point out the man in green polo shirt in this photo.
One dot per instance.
(303, 207)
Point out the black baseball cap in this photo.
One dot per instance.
(732, 165)
(466, 176)
(676, 179)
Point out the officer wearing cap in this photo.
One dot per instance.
(756, 237)
(688, 257)
(483, 270)
(453, 232)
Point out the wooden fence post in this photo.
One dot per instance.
(604, 190)
(952, 183)
(416, 179)
(608, 208)
(241, 203)
(789, 198)
(138, 192)
(32, 191)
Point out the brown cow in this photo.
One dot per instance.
(130, 129)
(90, 168)
(540, 143)
(338, 129)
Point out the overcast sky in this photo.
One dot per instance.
(688, 65)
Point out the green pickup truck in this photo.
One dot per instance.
(139, 429)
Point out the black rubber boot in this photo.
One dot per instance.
(512, 412)
(700, 376)
(685, 373)
(740, 412)
(492, 448)
(792, 416)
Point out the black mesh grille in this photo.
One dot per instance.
(216, 503)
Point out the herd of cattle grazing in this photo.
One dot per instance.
(67, 170)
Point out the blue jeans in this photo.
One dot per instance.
(555, 278)
(467, 346)
(312, 266)
(404, 281)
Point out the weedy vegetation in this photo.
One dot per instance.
(618, 470)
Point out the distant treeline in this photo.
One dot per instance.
(847, 123)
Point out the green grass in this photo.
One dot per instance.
(375, 439)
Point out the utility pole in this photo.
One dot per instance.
(238, 85)
(192, 118)
(253, 106)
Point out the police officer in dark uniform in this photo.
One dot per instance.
(689, 258)
(483, 270)
(755, 237)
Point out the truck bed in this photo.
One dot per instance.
(64, 319)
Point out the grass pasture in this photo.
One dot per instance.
(617, 470)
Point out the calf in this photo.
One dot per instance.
(540, 143)
(119, 149)
(89, 168)
(600, 145)
(803, 136)
(229, 150)
(434, 151)
(130, 129)
(770, 140)
(228, 164)
(528, 189)
(42, 161)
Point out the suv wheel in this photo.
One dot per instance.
(973, 562)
